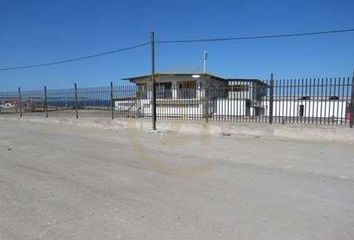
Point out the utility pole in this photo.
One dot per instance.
(153, 80)
(351, 105)
(206, 87)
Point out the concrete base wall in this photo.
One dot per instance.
(300, 132)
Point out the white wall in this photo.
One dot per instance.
(230, 107)
(162, 109)
(233, 107)
(311, 108)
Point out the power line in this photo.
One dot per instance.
(75, 59)
(255, 37)
(176, 41)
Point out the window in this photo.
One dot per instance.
(333, 98)
(238, 88)
(187, 89)
(305, 98)
(141, 91)
(188, 85)
(248, 107)
(163, 90)
(301, 110)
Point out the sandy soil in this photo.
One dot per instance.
(64, 181)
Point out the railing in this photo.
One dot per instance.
(293, 101)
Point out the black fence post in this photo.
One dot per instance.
(76, 102)
(20, 101)
(153, 80)
(271, 99)
(351, 120)
(112, 101)
(206, 97)
(45, 102)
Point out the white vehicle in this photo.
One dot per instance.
(7, 105)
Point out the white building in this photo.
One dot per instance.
(194, 95)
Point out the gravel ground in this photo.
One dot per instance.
(64, 181)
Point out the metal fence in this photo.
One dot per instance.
(290, 101)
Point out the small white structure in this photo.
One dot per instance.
(8, 103)
(319, 107)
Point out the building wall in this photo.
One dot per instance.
(247, 90)
(234, 107)
(169, 78)
(231, 107)
(167, 109)
(312, 108)
(201, 84)
(242, 90)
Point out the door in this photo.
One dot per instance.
(301, 110)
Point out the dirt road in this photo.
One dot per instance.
(62, 181)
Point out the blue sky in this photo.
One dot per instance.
(42, 31)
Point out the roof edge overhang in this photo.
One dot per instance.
(247, 80)
(174, 74)
(132, 79)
